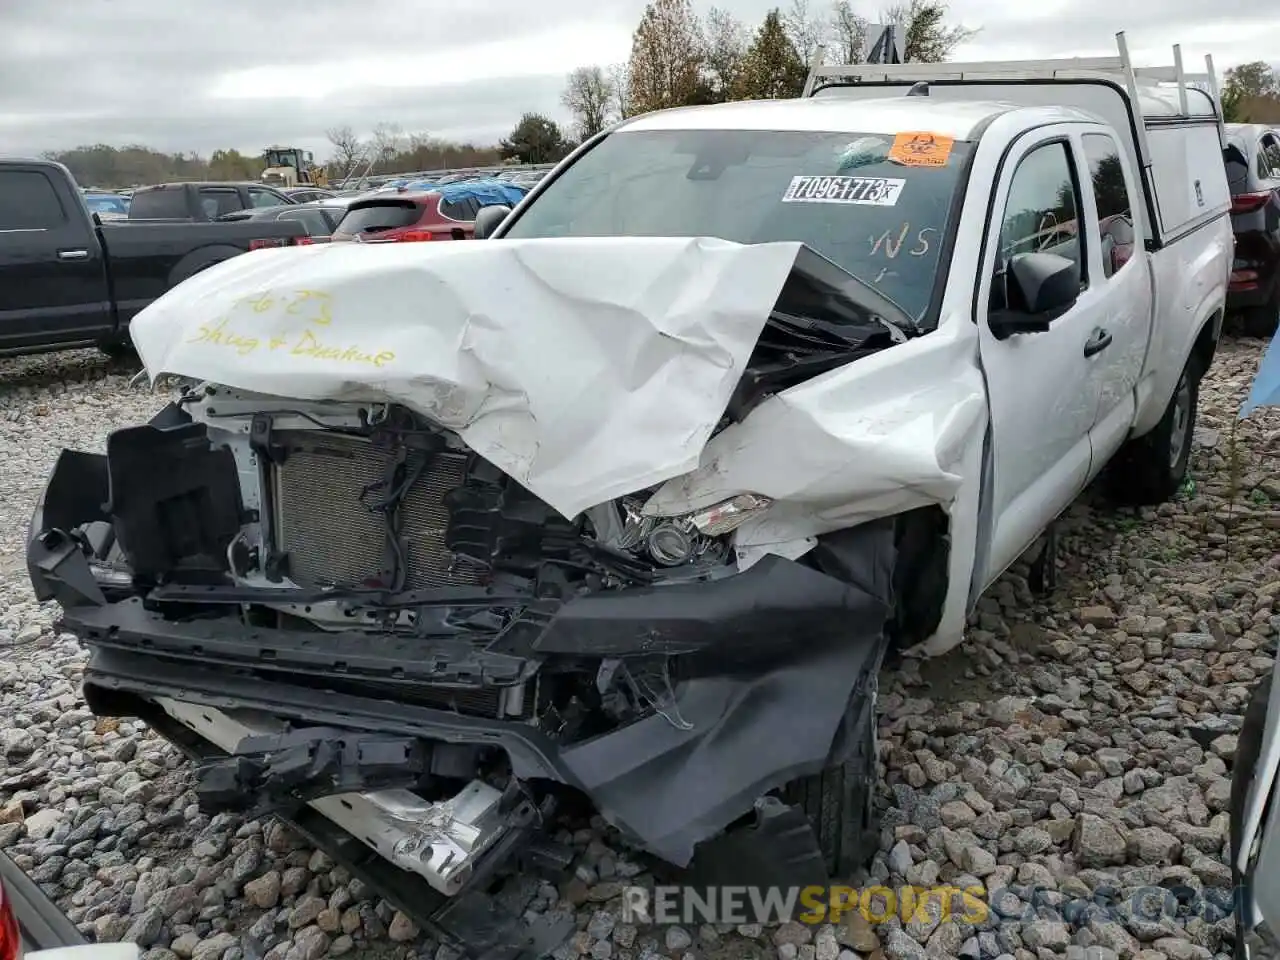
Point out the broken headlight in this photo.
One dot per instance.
(696, 536)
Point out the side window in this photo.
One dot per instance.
(1111, 197)
(312, 219)
(1041, 214)
(215, 201)
(1269, 157)
(263, 198)
(28, 201)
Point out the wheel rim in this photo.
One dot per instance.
(1181, 414)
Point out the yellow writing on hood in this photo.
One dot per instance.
(314, 308)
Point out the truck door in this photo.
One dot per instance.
(1121, 272)
(1043, 399)
(53, 281)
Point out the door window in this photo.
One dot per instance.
(264, 198)
(1269, 157)
(1111, 200)
(312, 219)
(1041, 215)
(217, 201)
(28, 201)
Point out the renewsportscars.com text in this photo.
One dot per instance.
(974, 905)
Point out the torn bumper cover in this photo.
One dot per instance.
(769, 656)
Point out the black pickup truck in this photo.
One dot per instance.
(202, 202)
(69, 280)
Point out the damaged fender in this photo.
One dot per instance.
(893, 432)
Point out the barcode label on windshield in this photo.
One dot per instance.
(868, 191)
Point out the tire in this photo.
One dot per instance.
(1261, 321)
(1244, 766)
(117, 349)
(1150, 469)
(840, 804)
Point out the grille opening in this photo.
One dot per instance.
(332, 538)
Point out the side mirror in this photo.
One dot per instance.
(1039, 288)
(488, 219)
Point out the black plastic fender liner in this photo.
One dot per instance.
(77, 491)
(175, 500)
(672, 788)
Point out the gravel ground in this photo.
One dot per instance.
(1073, 747)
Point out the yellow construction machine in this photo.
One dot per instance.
(291, 167)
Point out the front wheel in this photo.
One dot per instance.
(1150, 469)
(840, 802)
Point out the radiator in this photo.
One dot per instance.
(331, 537)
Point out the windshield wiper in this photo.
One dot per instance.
(810, 335)
(793, 349)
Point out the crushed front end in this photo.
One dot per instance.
(370, 609)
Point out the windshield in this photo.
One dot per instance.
(102, 205)
(867, 202)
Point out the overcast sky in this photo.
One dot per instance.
(181, 75)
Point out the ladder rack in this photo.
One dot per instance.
(1118, 68)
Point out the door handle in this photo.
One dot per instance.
(73, 254)
(1097, 343)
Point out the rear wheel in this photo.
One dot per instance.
(1261, 321)
(1150, 469)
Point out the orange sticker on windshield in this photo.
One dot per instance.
(921, 149)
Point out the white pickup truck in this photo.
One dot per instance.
(634, 496)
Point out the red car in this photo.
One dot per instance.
(408, 215)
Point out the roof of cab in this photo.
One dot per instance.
(887, 115)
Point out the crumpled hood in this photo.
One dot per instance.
(584, 368)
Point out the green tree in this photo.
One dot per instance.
(1250, 92)
(772, 68)
(667, 57)
(232, 165)
(535, 139)
(1108, 184)
(926, 38)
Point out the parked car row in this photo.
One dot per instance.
(1253, 171)
(67, 281)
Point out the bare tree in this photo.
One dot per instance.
(347, 148)
(666, 57)
(388, 140)
(847, 33)
(727, 41)
(588, 94)
(620, 80)
(802, 29)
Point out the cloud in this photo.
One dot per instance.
(195, 77)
